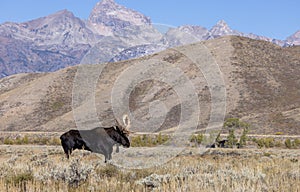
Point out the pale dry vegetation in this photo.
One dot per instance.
(44, 168)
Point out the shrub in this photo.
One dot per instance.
(278, 144)
(265, 142)
(136, 141)
(41, 141)
(292, 144)
(243, 138)
(197, 139)
(267, 154)
(149, 140)
(25, 140)
(260, 143)
(279, 133)
(8, 141)
(269, 142)
(30, 140)
(234, 123)
(296, 143)
(288, 143)
(232, 141)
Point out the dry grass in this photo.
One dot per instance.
(44, 168)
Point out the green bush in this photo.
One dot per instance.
(260, 143)
(25, 140)
(232, 141)
(136, 141)
(288, 143)
(197, 138)
(269, 142)
(30, 140)
(278, 144)
(292, 144)
(296, 143)
(234, 123)
(243, 138)
(148, 140)
(266, 142)
(279, 133)
(8, 141)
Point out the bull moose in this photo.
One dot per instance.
(98, 140)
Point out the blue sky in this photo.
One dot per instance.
(272, 18)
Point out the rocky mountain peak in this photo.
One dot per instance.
(221, 29)
(64, 12)
(107, 2)
(294, 39)
(222, 23)
(60, 17)
(108, 17)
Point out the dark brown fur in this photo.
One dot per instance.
(98, 140)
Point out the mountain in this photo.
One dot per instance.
(60, 40)
(221, 29)
(261, 81)
(191, 34)
(294, 39)
(108, 17)
(124, 29)
(112, 32)
(184, 35)
(45, 44)
(130, 37)
(61, 28)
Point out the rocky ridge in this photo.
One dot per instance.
(61, 39)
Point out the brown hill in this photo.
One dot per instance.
(262, 84)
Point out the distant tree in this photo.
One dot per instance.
(232, 141)
(197, 139)
(235, 123)
(218, 139)
(231, 123)
(243, 138)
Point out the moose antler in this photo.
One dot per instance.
(126, 121)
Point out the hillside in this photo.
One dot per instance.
(262, 84)
(62, 39)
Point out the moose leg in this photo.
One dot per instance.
(110, 150)
(69, 153)
(106, 156)
(117, 149)
(108, 153)
(66, 150)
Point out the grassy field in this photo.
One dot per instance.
(44, 168)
